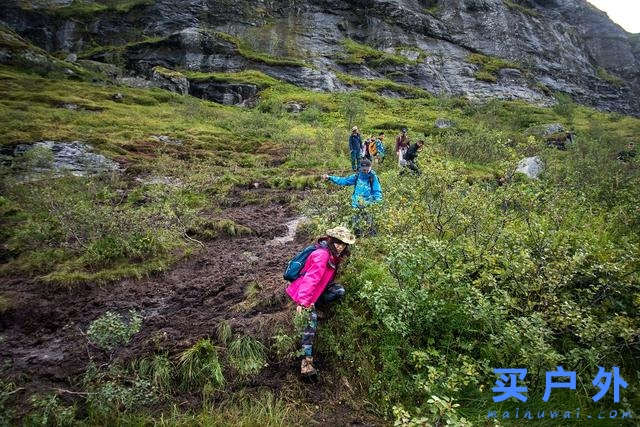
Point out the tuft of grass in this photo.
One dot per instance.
(247, 356)
(158, 369)
(200, 365)
(248, 52)
(165, 72)
(210, 229)
(224, 332)
(486, 76)
(358, 53)
(377, 85)
(85, 9)
(610, 78)
(5, 304)
(488, 66)
(512, 4)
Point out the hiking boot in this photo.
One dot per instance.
(307, 368)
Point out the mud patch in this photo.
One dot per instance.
(44, 345)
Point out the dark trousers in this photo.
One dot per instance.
(355, 160)
(332, 292)
(411, 164)
(362, 223)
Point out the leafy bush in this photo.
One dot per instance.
(468, 276)
(110, 331)
(47, 410)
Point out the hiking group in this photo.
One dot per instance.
(312, 271)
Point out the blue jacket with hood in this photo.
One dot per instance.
(367, 187)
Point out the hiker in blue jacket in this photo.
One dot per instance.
(366, 184)
(366, 191)
(355, 143)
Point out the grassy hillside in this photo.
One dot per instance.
(473, 267)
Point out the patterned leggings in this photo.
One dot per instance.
(332, 292)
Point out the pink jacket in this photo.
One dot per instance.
(307, 288)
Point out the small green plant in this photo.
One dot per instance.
(284, 344)
(247, 356)
(158, 369)
(353, 111)
(110, 330)
(5, 304)
(224, 332)
(200, 365)
(48, 410)
(113, 396)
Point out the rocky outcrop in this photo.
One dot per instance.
(224, 93)
(44, 158)
(545, 45)
(530, 166)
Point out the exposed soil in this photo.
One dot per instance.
(43, 333)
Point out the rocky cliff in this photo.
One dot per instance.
(511, 49)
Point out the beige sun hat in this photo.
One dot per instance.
(354, 128)
(343, 234)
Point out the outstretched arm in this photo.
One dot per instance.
(349, 180)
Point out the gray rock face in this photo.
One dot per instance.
(530, 166)
(561, 44)
(177, 83)
(545, 130)
(224, 93)
(443, 123)
(293, 107)
(73, 157)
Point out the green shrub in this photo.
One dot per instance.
(48, 410)
(110, 331)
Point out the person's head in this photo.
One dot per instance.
(630, 146)
(354, 129)
(339, 239)
(381, 135)
(404, 131)
(420, 143)
(365, 165)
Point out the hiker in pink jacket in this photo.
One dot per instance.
(315, 285)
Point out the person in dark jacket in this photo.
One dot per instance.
(628, 154)
(411, 156)
(355, 144)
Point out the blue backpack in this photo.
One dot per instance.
(292, 271)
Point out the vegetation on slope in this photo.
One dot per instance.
(465, 275)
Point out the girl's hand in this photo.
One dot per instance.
(299, 309)
(325, 176)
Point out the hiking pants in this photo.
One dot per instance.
(401, 161)
(332, 292)
(355, 160)
(412, 165)
(362, 223)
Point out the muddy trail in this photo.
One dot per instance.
(44, 346)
